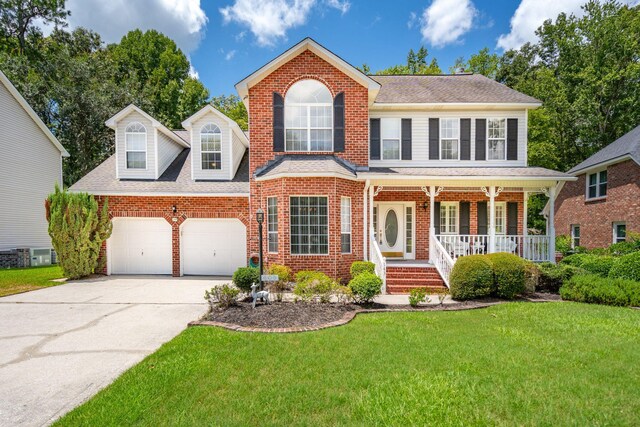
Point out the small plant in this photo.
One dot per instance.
(358, 267)
(442, 295)
(223, 296)
(417, 295)
(244, 277)
(365, 287)
(344, 294)
(313, 285)
(284, 277)
(563, 245)
(303, 292)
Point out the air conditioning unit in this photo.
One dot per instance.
(40, 257)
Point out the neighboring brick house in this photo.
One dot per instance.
(410, 172)
(603, 206)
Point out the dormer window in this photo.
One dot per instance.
(211, 147)
(135, 136)
(308, 117)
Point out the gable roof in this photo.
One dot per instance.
(623, 148)
(112, 123)
(25, 105)
(211, 109)
(447, 88)
(306, 44)
(306, 165)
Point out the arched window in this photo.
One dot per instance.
(211, 147)
(135, 136)
(308, 117)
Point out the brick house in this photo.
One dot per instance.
(409, 172)
(603, 205)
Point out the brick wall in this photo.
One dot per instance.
(187, 207)
(596, 217)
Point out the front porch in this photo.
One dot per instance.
(418, 230)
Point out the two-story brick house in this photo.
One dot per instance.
(410, 172)
(603, 204)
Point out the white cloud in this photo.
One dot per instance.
(229, 56)
(446, 21)
(413, 19)
(193, 73)
(531, 14)
(182, 20)
(269, 20)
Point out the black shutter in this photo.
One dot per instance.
(338, 123)
(406, 139)
(482, 218)
(465, 139)
(436, 216)
(278, 122)
(374, 139)
(465, 217)
(434, 139)
(512, 218)
(512, 139)
(481, 139)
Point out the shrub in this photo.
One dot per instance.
(594, 289)
(508, 274)
(597, 264)
(627, 267)
(244, 277)
(365, 287)
(77, 228)
(303, 291)
(358, 267)
(576, 259)
(563, 244)
(417, 295)
(223, 296)
(531, 276)
(471, 277)
(598, 251)
(313, 285)
(284, 277)
(552, 276)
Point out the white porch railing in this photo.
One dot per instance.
(441, 259)
(379, 261)
(532, 248)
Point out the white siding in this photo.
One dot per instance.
(123, 172)
(238, 152)
(420, 138)
(196, 166)
(30, 166)
(167, 151)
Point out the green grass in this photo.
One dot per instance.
(513, 364)
(16, 280)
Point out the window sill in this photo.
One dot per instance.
(595, 199)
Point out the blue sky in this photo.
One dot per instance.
(228, 39)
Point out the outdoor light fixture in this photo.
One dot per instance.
(174, 209)
(260, 220)
(425, 205)
(260, 216)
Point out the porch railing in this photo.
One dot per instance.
(532, 248)
(441, 259)
(379, 261)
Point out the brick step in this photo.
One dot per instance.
(410, 269)
(415, 282)
(420, 275)
(402, 290)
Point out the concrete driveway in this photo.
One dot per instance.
(60, 345)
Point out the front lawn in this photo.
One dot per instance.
(511, 364)
(16, 280)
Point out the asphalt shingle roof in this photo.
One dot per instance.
(175, 180)
(451, 88)
(627, 144)
(310, 165)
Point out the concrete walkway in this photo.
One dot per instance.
(61, 345)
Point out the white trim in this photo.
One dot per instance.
(350, 233)
(113, 123)
(572, 229)
(377, 106)
(440, 138)
(25, 105)
(379, 176)
(158, 194)
(414, 224)
(307, 106)
(389, 119)
(328, 225)
(486, 139)
(457, 205)
(215, 131)
(307, 175)
(601, 165)
(146, 148)
(598, 196)
(277, 232)
(188, 123)
(614, 235)
(155, 144)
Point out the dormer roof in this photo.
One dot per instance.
(112, 123)
(188, 123)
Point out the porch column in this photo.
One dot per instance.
(370, 213)
(551, 231)
(525, 230)
(365, 224)
(432, 224)
(492, 219)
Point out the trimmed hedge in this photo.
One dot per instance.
(244, 277)
(576, 259)
(552, 276)
(471, 277)
(598, 264)
(365, 287)
(508, 274)
(594, 289)
(358, 267)
(627, 267)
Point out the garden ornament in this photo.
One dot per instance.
(261, 295)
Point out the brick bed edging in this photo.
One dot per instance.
(349, 316)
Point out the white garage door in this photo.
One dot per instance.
(140, 246)
(214, 247)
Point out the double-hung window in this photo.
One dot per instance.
(345, 225)
(597, 185)
(309, 218)
(497, 139)
(211, 147)
(575, 235)
(135, 136)
(448, 218)
(501, 216)
(390, 133)
(272, 224)
(449, 138)
(308, 117)
(619, 232)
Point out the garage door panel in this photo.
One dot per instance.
(213, 246)
(141, 246)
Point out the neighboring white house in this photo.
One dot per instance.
(30, 166)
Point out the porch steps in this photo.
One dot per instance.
(401, 279)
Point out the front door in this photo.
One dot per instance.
(391, 225)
